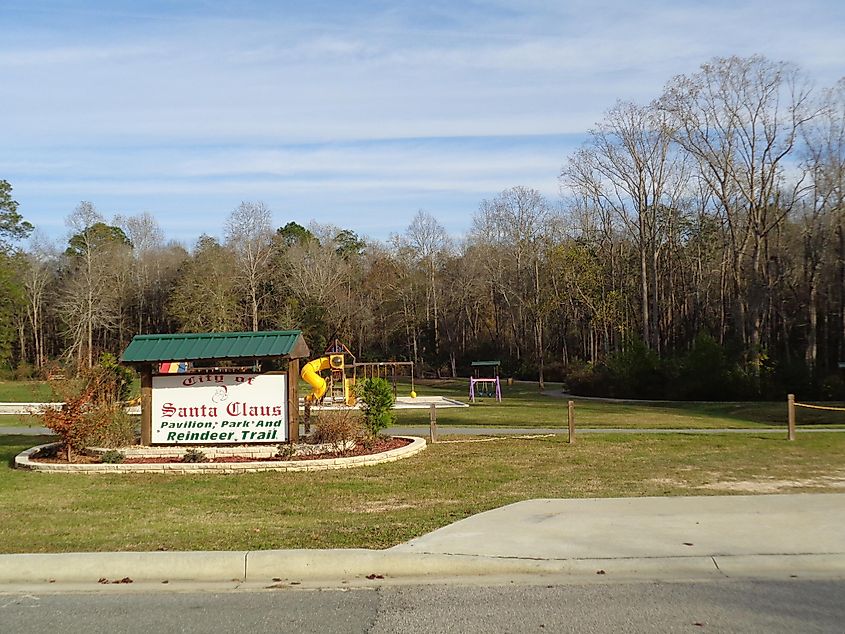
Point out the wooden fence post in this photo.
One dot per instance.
(571, 422)
(432, 415)
(790, 400)
(147, 405)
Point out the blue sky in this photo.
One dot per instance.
(351, 113)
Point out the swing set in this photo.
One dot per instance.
(337, 386)
(485, 385)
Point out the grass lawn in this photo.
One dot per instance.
(524, 406)
(25, 392)
(380, 506)
(23, 420)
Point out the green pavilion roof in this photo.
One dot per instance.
(216, 345)
(477, 364)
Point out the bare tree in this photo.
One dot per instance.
(627, 167)
(147, 239)
(824, 213)
(90, 300)
(740, 119)
(515, 228)
(42, 263)
(249, 235)
(429, 242)
(316, 274)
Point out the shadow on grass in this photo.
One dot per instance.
(11, 445)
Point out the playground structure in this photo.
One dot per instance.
(338, 386)
(487, 386)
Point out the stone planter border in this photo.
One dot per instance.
(24, 461)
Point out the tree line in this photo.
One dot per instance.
(697, 251)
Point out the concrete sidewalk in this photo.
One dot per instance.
(625, 538)
(729, 534)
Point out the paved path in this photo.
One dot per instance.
(526, 431)
(422, 430)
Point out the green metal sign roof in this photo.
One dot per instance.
(216, 345)
(476, 364)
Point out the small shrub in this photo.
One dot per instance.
(368, 442)
(112, 457)
(194, 455)
(111, 426)
(50, 451)
(25, 372)
(376, 396)
(285, 451)
(72, 422)
(54, 371)
(338, 428)
(92, 412)
(833, 388)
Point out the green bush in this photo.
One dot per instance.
(376, 396)
(194, 455)
(285, 451)
(705, 372)
(833, 388)
(25, 372)
(587, 379)
(112, 457)
(636, 372)
(116, 379)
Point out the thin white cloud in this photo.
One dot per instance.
(142, 106)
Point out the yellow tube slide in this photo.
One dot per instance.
(310, 376)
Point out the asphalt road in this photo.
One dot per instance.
(797, 605)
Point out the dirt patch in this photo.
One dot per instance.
(773, 485)
(668, 482)
(380, 507)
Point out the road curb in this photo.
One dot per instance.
(361, 564)
(139, 566)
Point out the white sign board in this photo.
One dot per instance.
(219, 409)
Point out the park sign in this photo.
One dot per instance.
(218, 387)
(219, 409)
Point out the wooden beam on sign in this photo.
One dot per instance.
(147, 404)
(293, 400)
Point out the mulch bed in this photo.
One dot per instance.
(379, 446)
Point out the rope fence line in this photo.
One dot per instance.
(790, 409)
(824, 407)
